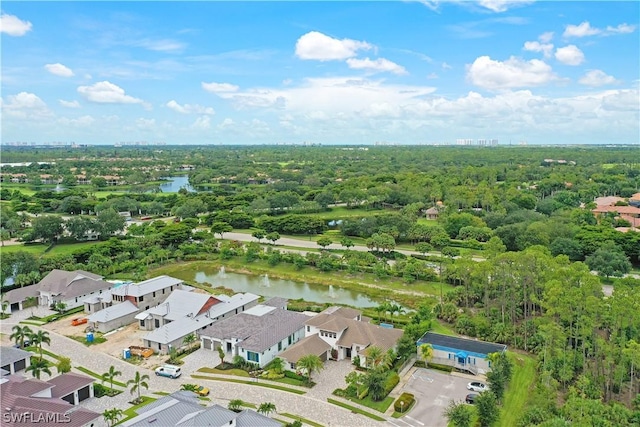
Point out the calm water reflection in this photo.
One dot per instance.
(272, 287)
(175, 183)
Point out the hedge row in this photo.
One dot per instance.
(445, 368)
(408, 400)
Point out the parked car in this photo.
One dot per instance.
(471, 398)
(78, 321)
(202, 391)
(169, 371)
(26, 344)
(477, 386)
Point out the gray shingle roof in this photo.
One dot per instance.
(21, 294)
(10, 355)
(147, 286)
(181, 303)
(114, 312)
(249, 418)
(183, 409)
(258, 333)
(186, 325)
(312, 344)
(70, 284)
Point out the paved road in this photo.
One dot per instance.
(313, 407)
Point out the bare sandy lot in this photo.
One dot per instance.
(116, 342)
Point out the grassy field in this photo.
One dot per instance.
(519, 390)
(440, 327)
(38, 249)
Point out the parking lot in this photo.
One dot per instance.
(433, 391)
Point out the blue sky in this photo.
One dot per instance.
(407, 72)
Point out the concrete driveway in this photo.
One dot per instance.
(433, 391)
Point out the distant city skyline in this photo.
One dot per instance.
(356, 73)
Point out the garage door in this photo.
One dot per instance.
(6, 368)
(15, 306)
(206, 343)
(68, 398)
(83, 393)
(323, 356)
(20, 365)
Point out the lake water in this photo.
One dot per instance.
(272, 287)
(175, 183)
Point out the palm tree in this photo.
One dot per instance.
(137, 382)
(64, 365)
(310, 363)
(375, 356)
(38, 366)
(189, 387)
(221, 354)
(189, 339)
(110, 375)
(235, 405)
(111, 416)
(267, 408)
(426, 352)
(40, 337)
(20, 334)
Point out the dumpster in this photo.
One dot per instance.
(89, 336)
(126, 353)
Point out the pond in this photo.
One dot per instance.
(173, 184)
(272, 287)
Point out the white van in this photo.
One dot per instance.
(170, 371)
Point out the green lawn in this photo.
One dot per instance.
(39, 248)
(235, 372)
(441, 328)
(356, 410)
(519, 390)
(253, 382)
(132, 412)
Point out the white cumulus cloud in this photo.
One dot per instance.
(69, 104)
(107, 93)
(219, 87)
(570, 55)
(14, 26)
(596, 78)
(59, 70)
(585, 29)
(202, 123)
(318, 46)
(546, 37)
(582, 30)
(535, 46)
(377, 65)
(190, 108)
(512, 73)
(503, 5)
(25, 105)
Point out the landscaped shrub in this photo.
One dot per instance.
(293, 375)
(408, 400)
(363, 393)
(271, 375)
(445, 368)
(392, 380)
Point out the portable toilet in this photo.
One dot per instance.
(89, 337)
(126, 353)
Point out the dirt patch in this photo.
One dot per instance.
(116, 341)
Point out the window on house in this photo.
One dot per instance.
(290, 339)
(308, 328)
(162, 291)
(142, 323)
(159, 346)
(157, 323)
(154, 294)
(280, 346)
(141, 298)
(253, 357)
